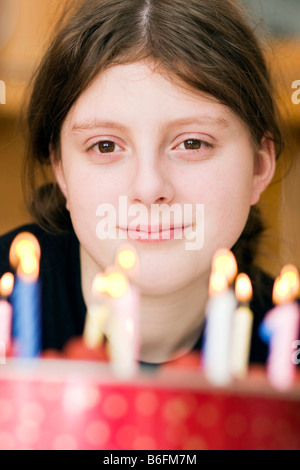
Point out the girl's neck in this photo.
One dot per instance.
(169, 324)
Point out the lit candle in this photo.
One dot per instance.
(98, 314)
(241, 328)
(219, 313)
(123, 332)
(224, 262)
(6, 287)
(280, 328)
(25, 243)
(25, 257)
(127, 261)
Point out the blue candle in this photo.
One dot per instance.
(26, 299)
(26, 318)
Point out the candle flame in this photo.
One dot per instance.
(126, 258)
(25, 243)
(99, 285)
(286, 286)
(289, 268)
(224, 262)
(243, 288)
(28, 268)
(6, 284)
(117, 284)
(292, 274)
(217, 283)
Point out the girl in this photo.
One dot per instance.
(162, 103)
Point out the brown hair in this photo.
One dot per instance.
(207, 45)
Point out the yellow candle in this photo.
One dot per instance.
(241, 328)
(98, 314)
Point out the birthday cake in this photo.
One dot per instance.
(52, 404)
(94, 394)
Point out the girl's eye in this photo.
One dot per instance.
(193, 144)
(106, 146)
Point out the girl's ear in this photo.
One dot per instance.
(264, 168)
(58, 171)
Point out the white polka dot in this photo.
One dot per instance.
(126, 435)
(146, 403)
(261, 425)
(79, 398)
(97, 433)
(50, 391)
(175, 433)
(28, 432)
(144, 443)
(7, 441)
(176, 410)
(207, 415)
(6, 410)
(115, 406)
(32, 411)
(235, 425)
(195, 443)
(64, 442)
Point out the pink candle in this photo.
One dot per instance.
(280, 329)
(6, 286)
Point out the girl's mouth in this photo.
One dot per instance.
(154, 234)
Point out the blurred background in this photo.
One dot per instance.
(25, 29)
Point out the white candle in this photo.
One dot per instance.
(219, 315)
(124, 333)
(123, 326)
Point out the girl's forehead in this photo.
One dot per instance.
(141, 85)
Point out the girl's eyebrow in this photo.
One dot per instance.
(82, 126)
(96, 124)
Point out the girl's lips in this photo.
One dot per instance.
(151, 235)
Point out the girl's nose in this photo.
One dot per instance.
(151, 183)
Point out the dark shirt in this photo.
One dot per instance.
(62, 304)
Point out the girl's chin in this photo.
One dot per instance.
(158, 271)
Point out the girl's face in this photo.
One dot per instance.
(134, 140)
